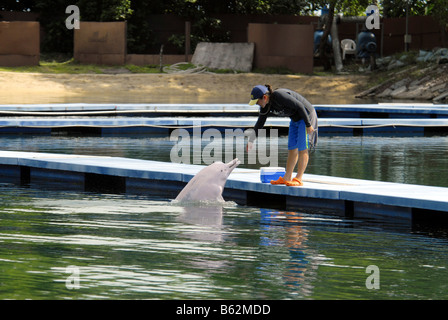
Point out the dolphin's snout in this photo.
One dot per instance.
(233, 164)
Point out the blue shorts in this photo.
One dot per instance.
(297, 136)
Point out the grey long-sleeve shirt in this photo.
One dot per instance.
(287, 103)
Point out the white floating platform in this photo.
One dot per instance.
(350, 197)
(114, 118)
(406, 109)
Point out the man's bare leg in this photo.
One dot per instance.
(303, 163)
(291, 162)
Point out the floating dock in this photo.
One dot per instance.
(380, 110)
(323, 194)
(164, 125)
(108, 119)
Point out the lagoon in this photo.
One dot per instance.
(57, 244)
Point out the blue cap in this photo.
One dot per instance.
(257, 93)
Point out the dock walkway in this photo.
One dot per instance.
(342, 196)
(164, 125)
(109, 119)
(381, 110)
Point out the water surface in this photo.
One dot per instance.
(128, 247)
(56, 244)
(412, 160)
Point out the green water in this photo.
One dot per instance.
(411, 160)
(127, 247)
(56, 244)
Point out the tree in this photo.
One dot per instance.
(52, 20)
(105, 10)
(439, 10)
(353, 7)
(323, 41)
(397, 8)
(14, 5)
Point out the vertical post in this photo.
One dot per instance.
(125, 51)
(187, 39)
(336, 45)
(406, 37)
(161, 59)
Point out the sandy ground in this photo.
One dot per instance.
(17, 88)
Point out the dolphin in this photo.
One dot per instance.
(208, 184)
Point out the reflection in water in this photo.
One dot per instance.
(299, 271)
(202, 215)
(204, 222)
(295, 238)
(135, 247)
(207, 216)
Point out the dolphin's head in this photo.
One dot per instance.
(223, 170)
(208, 183)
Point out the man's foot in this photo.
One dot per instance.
(294, 183)
(279, 181)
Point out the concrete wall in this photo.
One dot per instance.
(19, 43)
(233, 56)
(283, 45)
(100, 43)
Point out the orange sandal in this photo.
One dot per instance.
(279, 181)
(294, 183)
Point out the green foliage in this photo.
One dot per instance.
(52, 18)
(143, 69)
(140, 36)
(203, 29)
(439, 10)
(206, 29)
(58, 63)
(352, 7)
(397, 8)
(104, 10)
(14, 5)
